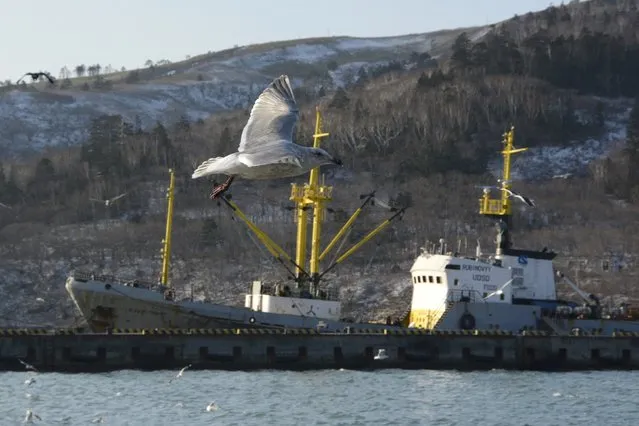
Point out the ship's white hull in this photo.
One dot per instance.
(111, 305)
(514, 318)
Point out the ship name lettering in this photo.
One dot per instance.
(479, 277)
(476, 268)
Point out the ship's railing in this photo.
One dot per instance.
(324, 192)
(86, 276)
(461, 295)
(323, 293)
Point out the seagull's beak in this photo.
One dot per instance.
(337, 161)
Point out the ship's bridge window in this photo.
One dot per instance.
(430, 278)
(424, 279)
(438, 280)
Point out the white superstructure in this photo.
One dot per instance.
(441, 278)
(283, 302)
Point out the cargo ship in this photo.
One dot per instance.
(107, 302)
(511, 289)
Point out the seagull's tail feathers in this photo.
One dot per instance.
(209, 167)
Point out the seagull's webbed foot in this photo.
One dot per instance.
(218, 190)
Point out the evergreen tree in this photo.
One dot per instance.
(461, 55)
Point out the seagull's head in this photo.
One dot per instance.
(319, 157)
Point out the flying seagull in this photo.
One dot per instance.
(110, 200)
(5, 206)
(266, 148)
(564, 176)
(27, 365)
(180, 373)
(520, 197)
(510, 193)
(35, 76)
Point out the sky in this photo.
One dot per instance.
(44, 35)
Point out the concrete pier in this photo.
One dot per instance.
(70, 350)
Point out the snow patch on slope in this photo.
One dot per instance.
(547, 161)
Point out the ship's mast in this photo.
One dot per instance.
(166, 242)
(500, 208)
(312, 196)
(315, 195)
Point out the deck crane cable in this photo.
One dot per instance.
(248, 233)
(235, 210)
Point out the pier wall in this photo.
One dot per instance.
(247, 349)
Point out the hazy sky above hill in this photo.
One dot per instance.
(38, 35)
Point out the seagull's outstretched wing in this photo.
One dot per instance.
(117, 197)
(4, 205)
(273, 116)
(273, 153)
(521, 197)
(22, 78)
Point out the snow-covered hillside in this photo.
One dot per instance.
(554, 161)
(38, 117)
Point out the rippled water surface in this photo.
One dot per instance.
(324, 398)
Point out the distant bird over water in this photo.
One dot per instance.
(266, 148)
(27, 365)
(180, 373)
(35, 76)
(110, 201)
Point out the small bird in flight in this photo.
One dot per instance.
(27, 365)
(564, 176)
(35, 76)
(521, 197)
(5, 206)
(180, 373)
(110, 201)
(211, 407)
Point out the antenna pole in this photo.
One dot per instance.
(319, 200)
(500, 208)
(166, 242)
